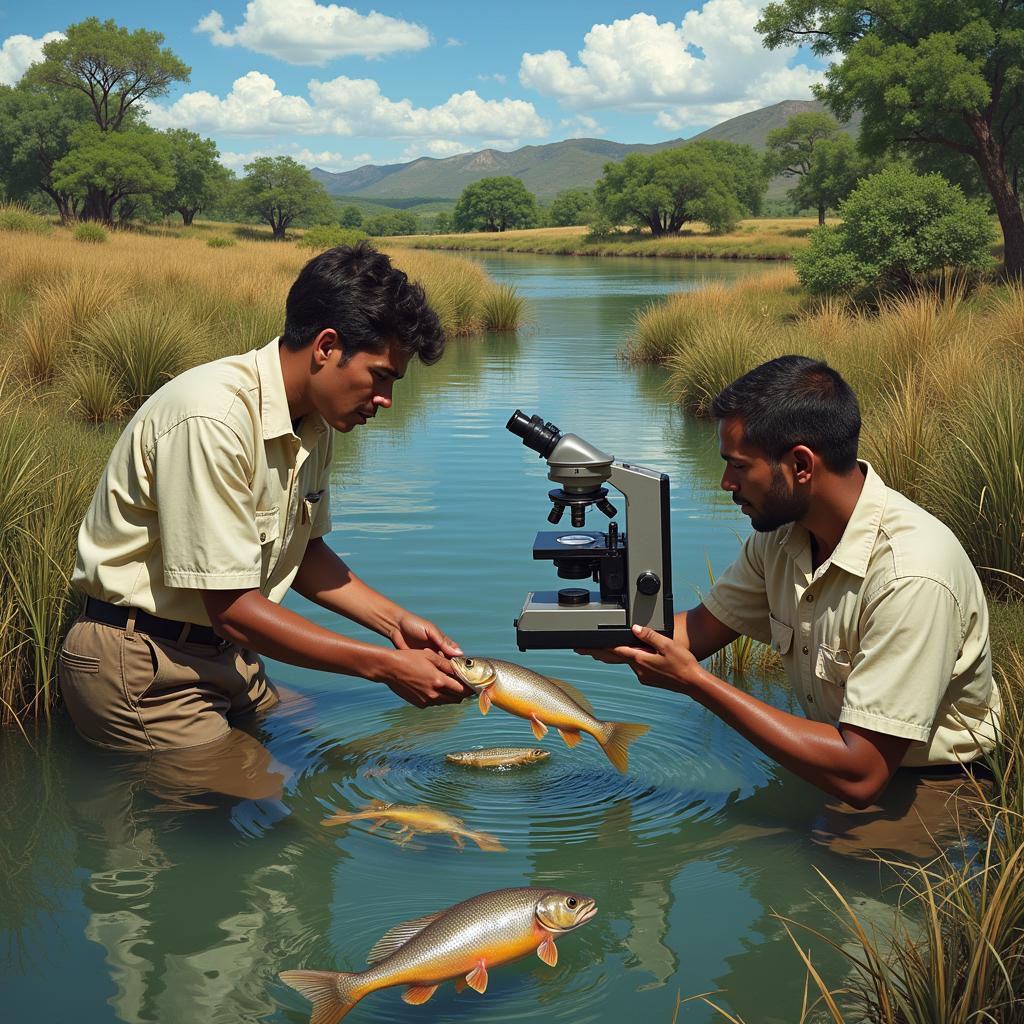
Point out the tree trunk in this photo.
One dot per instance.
(821, 216)
(990, 158)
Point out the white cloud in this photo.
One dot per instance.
(325, 160)
(452, 41)
(496, 77)
(305, 32)
(710, 66)
(581, 126)
(435, 147)
(344, 106)
(18, 52)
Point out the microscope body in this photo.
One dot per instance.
(632, 570)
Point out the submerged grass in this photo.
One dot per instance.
(81, 347)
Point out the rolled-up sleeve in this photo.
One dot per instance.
(738, 597)
(911, 632)
(206, 507)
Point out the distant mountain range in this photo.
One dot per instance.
(544, 170)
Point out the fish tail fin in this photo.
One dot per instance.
(332, 993)
(616, 743)
(341, 817)
(486, 841)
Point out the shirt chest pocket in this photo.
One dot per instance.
(833, 665)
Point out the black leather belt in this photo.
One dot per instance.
(166, 629)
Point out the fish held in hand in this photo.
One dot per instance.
(545, 702)
(414, 818)
(498, 757)
(462, 942)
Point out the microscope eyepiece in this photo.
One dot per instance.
(536, 434)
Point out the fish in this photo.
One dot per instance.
(460, 943)
(545, 702)
(498, 757)
(415, 818)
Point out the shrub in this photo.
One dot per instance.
(897, 226)
(90, 233)
(219, 242)
(14, 217)
(327, 236)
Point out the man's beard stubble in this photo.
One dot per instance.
(780, 506)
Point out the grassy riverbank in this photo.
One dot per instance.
(761, 239)
(87, 332)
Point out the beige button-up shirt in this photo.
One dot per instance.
(889, 634)
(208, 488)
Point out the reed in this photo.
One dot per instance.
(15, 217)
(503, 309)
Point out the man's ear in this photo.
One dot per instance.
(325, 344)
(803, 464)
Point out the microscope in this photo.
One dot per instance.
(633, 569)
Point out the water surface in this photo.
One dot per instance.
(132, 893)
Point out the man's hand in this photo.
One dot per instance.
(416, 634)
(423, 678)
(666, 663)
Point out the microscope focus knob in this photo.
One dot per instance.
(648, 583)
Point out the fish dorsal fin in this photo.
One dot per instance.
(576, 695)
(399, 936)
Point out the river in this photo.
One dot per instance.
(131, 893)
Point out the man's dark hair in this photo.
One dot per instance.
(356, 291)
(795, 400)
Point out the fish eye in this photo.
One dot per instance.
(469, 663)
(571, 902)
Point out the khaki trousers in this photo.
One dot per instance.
(126, 690)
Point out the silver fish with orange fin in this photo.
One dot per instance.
(414, 818)
(461, 943)
(545, 702)
(497, 757)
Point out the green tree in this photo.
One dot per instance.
(198, 176)
(495, 204)
(112, 67)
(350, 217)
(832, 174)
(714, 182)
(791, 151)
(896, 225)
(443, 222)
(571, 206)
(280, 191)
(106, 168)
(36, 128)
(924, 74)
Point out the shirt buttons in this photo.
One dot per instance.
(263, 537)
(810, 698)
(809, 598)
(804, 649)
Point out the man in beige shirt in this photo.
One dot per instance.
(216, 500)
(872, 604)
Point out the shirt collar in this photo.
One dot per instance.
(274, 412)
(854, 549)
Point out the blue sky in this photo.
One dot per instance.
(341, 86)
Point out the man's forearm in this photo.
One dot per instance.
(250, 620)
(838, 761)
(326, 580)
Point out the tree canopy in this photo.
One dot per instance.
(571, 206)
(112, 67)
(280, 191)
(715, 182)
(495, 204)
(924, 74)
(198, 176)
